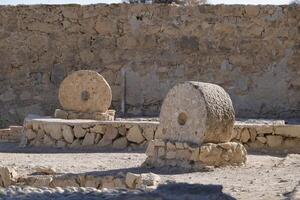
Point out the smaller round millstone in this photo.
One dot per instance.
(197, 112)
(85, 91)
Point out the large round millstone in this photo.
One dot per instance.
(197, 112)
(85, 91)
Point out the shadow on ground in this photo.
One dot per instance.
(6, 147)
(171, 191)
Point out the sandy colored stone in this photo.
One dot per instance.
(79, 132)
(291, 143)
(76, 144)
(48, 141)
(131, 180)
(41, 181)
(98, 129)
(150, 149)
(183, 154)
(161, 152)
(54, 130)
(120, 143)
(264, 129)
(64, 181)
(135, 135)
(119, 183)
(88, 139)
(288, 131)
(7, 176)
(262, 139)
(197, 112)
(59, 113)
(147, 179)
(85, 91)
(170, 146)
(274, 141)
(214, 155)
(105, 142)
(122, 130)
(148, 133)
(111, 132)
(97, 137)
(170, 154)
(159, 134)
(108, 182)
(253, 134)
(245, 135)
(45, 170)
(68, 133)
(30, 134)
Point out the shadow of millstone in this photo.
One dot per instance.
(171, 191)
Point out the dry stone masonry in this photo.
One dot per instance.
(85, 94)
(268, 136)
(197, 121)
(253, 134)
(88, 133)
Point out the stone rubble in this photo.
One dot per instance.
(8, 176)
(48, 177)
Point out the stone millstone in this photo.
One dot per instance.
(85, 91)
(197, 112)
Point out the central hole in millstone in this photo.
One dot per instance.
(85, 95)
(182, 117)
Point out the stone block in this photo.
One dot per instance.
(288, 131)
(135, 135)
(30, 134)
(131, 180)
(262, 139)
(148, 133)
(54, 130)
(61, 114)
(120, 143)
(150, 151)
(79, 132)
(89, 139)
(122, 130)
(245, 135)
(98, 129)
(48, 141)
(111, 133)
(7, 176)
(68, 135)
(108, 182)
(274, 141)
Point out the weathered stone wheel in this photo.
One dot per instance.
(197, 112)
(85, 91)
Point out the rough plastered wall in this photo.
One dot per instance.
(252, 51)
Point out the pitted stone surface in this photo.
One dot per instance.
(85, 91)
(197, 112)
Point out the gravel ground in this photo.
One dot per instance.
(263, 177)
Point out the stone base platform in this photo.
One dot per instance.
(258, 135)
(192, 157)
(52, 132)
(65, 114)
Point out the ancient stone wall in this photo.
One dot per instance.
(144, 50)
